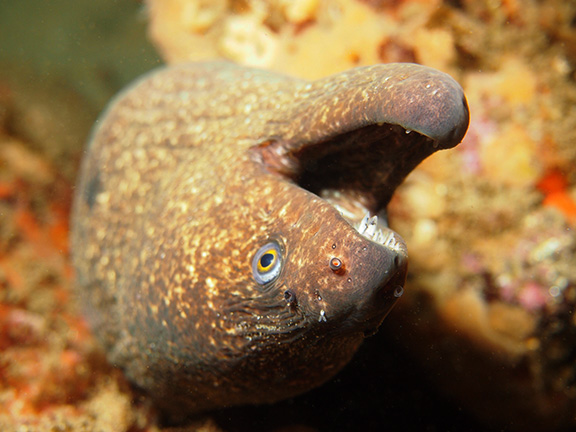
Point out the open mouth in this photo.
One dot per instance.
(356, 172)
(352, 139)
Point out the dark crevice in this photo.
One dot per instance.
(368, 163)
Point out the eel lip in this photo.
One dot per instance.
(387, 296)
(392, 272)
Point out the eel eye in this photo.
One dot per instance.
(267, 263)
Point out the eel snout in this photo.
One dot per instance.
(387, 266)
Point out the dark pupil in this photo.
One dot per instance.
(266, 260)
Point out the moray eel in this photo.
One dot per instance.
(229, 228)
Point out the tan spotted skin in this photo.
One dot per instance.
(194, 168)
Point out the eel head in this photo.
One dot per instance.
(351, 141)
(229, 232)
(326, 268)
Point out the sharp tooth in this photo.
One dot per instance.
(379, 237)
(371, 229)
(364, 223)
(389, 241)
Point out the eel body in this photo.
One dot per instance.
(229, 233)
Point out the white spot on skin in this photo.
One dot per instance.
(322, 317)
(233, 331)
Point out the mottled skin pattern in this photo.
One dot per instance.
(194, 168)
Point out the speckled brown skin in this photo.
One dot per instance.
(194, 168)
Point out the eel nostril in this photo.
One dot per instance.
(336, 265)
(290, 297)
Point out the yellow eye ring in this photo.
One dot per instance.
(267, 260)
(267, 263)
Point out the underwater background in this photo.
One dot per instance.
(485, 335)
